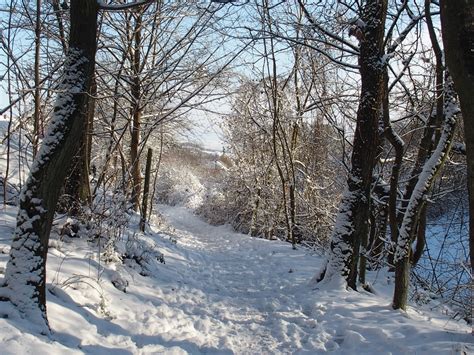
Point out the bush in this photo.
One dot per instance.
(180, 187)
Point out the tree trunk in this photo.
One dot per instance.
(411, 216)
(58, 12)
(398, 144)
(158, 163)
(256, 204)
(37, 113)
(136, 117)
(457, 23)
(352, 220)
(431, 130)
(25, 276)
(420, 237)
(146, 190)
(90, 128)
(77, 184)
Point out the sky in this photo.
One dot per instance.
(207, 133)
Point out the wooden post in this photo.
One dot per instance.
(146, 189)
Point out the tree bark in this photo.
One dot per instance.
(431, 130)
(403, 252)
(399, 145)
(420, 237)
(25, 276)
(146, 190)
(457, 23)
(136, 116)
(37, 113)
(77, 184)
(352, 222)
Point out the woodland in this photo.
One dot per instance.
(346, 129)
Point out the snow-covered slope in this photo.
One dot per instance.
(219, 292)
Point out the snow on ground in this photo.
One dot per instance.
(219, 292)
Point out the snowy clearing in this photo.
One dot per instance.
(219, 292)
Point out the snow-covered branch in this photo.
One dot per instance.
(121, 7)
(430, 169)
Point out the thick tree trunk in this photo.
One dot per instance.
(25, 276)
(77, 184)
(457, 22)
(352, 220)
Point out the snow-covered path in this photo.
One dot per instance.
(224, 292)
(221, 292)
(251, 288)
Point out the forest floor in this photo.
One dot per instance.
(219, 292)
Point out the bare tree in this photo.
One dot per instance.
(352, 219)
(25, 276)
(423, 184)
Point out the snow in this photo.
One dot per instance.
(340, 249)
(109, 7)
(219, 292)
(445, 266)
